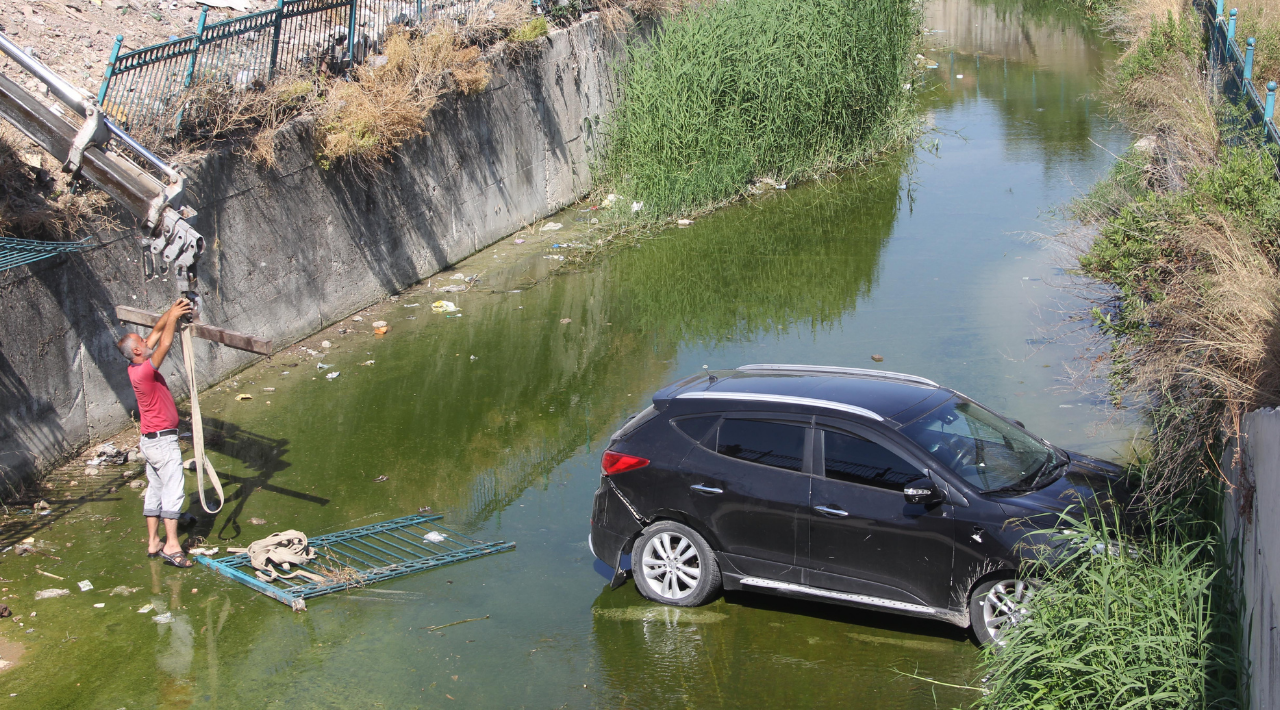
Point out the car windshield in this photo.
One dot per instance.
(983, 449)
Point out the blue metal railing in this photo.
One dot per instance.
(1224, 52)
(143, 88)
(16, 252)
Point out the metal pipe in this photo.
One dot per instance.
(111, 65)
(1219, 15)
(66, 93)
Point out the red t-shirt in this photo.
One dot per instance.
(155, 403)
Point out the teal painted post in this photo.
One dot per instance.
(351, 36)
(1248, 59)
(111, 64)
(1231, 25)
(275, 39)
(1269, 110)
(1220, 8)
(419, 10)
(195, 49)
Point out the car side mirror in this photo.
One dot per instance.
(922, 491)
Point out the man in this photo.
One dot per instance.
(159, 442)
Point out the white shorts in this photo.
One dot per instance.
(164, 495)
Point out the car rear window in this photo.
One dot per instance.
(768, 443)
(696, 427)
(634, 423)
(857, 460)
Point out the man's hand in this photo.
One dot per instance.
(161, 337)
(180, 308)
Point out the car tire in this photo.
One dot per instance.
(672, 564)
(996, 606)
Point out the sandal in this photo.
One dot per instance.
(177, 559)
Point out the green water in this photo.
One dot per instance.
(926, 259)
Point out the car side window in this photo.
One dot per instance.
(696, 428)
(768, 443)
(857, 460)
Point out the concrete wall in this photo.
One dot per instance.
(1251, 517)
(296, 248)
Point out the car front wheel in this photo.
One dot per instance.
(995, 607)
(672, 564)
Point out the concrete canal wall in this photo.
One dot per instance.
(296, 248)
(1251, 518)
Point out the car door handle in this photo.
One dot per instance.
(706, 489)
(834, 512)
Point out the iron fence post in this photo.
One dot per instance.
(419, 11)
(1269, 109)
(351, 37)
(195, 46)
(1220, 10)
(111, 64)
(1231, 25)
(275, 39)
(1248, 60)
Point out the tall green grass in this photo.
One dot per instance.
(731, 91)
(1122, 622)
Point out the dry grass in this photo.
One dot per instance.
(218, 111)
(363, 122)
(36, 201)
(1260, 19)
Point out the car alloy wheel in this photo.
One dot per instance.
(998, 606)
(675, 566)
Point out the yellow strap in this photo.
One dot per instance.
(197, 427)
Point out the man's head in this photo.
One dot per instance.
(133, 347)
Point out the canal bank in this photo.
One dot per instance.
(927, 260)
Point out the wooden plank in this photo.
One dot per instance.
(229, 338)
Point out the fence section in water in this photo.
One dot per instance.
(360, 556)
(1237, 66)
(143, 88)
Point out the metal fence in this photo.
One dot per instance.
(142, 89)
(1237, 71)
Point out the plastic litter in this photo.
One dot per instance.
(380, 327)
(551, 226)
(609, 200)
(326, 344)
(380, 479)
(136, 484)
(454, 315)
(637, 206)
(444, 307)
(565, 320)
(434, 536)
(367, 362)
(51, 594)
(412, 305)
(877, 358)
(357, 318)
(455, 288)
(268, 389)
(257, 521)
(164, 618)
(204, 551)
(554, 257)
(99, 605)
(519, 241)
(85, 585)
(322, 366)
(147, 608)
(684, 222)
(124, 591)
(243, 397)
(332, 375)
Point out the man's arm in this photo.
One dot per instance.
(161, 336)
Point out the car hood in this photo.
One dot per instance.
(1088, 484)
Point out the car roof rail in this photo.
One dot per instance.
(901, 377)
(781, 399)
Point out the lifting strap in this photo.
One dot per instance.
(203, 464)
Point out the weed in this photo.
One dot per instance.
(532, 30)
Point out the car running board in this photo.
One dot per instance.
(861, 599)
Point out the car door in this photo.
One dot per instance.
(864, 537)
(749, 484)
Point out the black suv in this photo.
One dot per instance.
(868, 488)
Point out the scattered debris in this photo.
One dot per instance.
(257, 521)
(434, 536)
(367, 362)
(443, 307)
(137, 483)
(51, 593)
(474, 358)
(99, 605)
(458, 277)
(455, 623)
(164, 618)
(243, 397)
(554, 257)
(40, 505)
(204, 551)
(91, 471)
(379, 479)
(380, 327)
(332, 375)
(268, 389)
(609, 200)
(637, 206)
(326, 344)
(85, 585)
(124, 591)
(877, 358)
(4, 611)
(322, 366)
(424, 509)
(519, 241)
(147, 608)
(551, 226)
(412, 305)
(565, 320)
(49, 574)
(452, 289)
(684, 222)
(357, 319)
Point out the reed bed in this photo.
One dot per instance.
(725, 93)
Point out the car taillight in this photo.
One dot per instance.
(615, 462)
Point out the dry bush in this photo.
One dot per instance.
(1177, 106)
(36, 201)
(216, 110)
(492, 20)
(363, 122)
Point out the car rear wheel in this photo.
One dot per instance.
(673, 565)
(997, 606)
